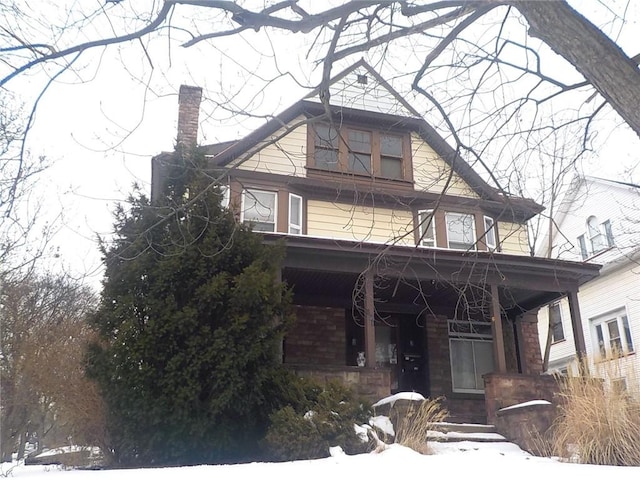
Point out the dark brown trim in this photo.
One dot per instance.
(498, 336)
(282, 215)
(417, 124)
(375, 132)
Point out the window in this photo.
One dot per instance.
(613, 335)
(359, 148)
(360, 151)
(555, 321)
(598, 237)
(259, 209)
(427, 228)
(583, 247)
(327, 141)
(461, 232)
(295, 214)
(490, 237)
(225, 195)
(391, 156)
(471, 349)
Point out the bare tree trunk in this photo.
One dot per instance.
(602, 63)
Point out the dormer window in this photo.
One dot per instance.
(360, 151)
(598, 237)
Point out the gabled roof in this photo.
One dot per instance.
(403, 114)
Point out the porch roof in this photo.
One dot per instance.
(319, 266)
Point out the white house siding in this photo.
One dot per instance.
(431, 172)
(355, 222)
(616, 289)
(618, 286)
(513, 238)
(607, 201)
(285, 156)
(372, 96)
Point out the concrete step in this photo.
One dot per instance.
(459, 432)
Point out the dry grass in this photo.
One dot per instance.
(598, 422)
(415, 424)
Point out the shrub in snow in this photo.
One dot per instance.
(324, 418)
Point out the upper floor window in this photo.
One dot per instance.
(555, 321)
(613, 334)
(427, 231)
(295, 214)
(490, 237)
(461, 231)
(361, 151)
(259, 209)
(598, 237)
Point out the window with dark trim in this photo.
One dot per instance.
(461, 231)
(259, 209)
(490, 237)
(361, 151)
(427, 230)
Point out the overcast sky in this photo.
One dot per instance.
(101, 127)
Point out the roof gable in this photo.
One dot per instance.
(360, 87)
(376, 101)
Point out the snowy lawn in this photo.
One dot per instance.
(459, 460)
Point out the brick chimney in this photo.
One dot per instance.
(188, 112)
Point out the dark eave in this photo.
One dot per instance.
(540, 276)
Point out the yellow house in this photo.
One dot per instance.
(409, 271)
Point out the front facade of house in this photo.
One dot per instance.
(599, 222)
(409, 271)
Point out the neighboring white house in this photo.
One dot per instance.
(598, 221)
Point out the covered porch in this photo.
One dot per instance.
(391, 318)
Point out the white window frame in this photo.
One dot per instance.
(225, 193)
(292, 224)
(275, 208)
(557, 306)
(424, 241)
(473, 245)
(597, 239)
(469, 333)
(602, 334)
(489, 232)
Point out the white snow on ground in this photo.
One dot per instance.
(383, 423)
(473, 460)
(464, 435)
(398, 396)
(70, 449)
(526, 404)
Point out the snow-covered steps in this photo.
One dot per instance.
(458, 432)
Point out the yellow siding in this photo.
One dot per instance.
(287, 156)
(355, 222)
(430, 171)
(513, 238)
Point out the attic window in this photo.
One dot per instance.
(362, 79)
(360, 151)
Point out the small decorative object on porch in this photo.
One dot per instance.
(361, 359)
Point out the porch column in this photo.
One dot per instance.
(576, 325)
(498, 336)
(369, 327)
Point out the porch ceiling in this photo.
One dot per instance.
(410, 278)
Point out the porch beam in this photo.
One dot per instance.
(369, 315)
(498, 336)
(576, 325)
